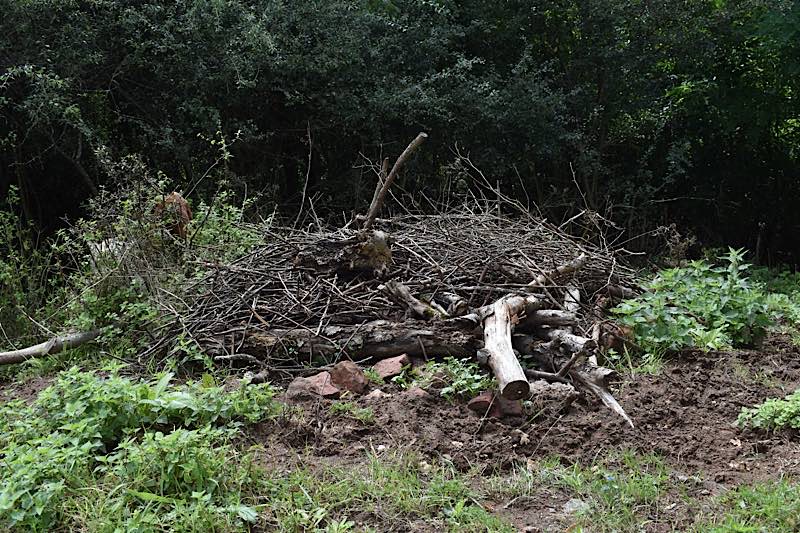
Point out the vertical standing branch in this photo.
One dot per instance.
(380, 196)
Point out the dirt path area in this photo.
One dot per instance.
(685, 415)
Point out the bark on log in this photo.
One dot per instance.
(511, 379)
(378, 339)
(51, 347)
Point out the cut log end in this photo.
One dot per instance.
(516, 390)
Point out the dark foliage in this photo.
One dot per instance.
(684, 112)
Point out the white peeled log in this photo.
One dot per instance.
(511, 379)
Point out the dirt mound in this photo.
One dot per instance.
(684, 414)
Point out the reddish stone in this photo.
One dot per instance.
(348, 376)
(510, 407)
(416, 393)
(485, 404)
(389, 368)
(377, 394)
(319, 384)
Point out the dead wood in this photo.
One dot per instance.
(402, 295)
(379, 198)
(378, 340)
(497, 328)
(559, 272)
(51, 347)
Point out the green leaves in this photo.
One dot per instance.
(698, 306)
(157, 438)
(773, 413)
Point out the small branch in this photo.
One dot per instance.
(51, 347)
(400, 294)
(563, 270)
(380, 197)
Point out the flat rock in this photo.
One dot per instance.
(348, 376)
(389, 368)
(316, 385)
(377, 394)
(416, 393)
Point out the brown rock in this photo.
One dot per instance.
(510, 407)
(348, 376)
(484, 402)
(389, 368)
(416, 393)
(317, 385)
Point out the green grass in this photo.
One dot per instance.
(772, 507)
(364, 415)
(394, 492)
(621, 493)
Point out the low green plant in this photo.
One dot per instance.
(767, 507)
(773, 413)
(362, 414)
(373, 376)
(461, 378)
(698, 306)
(50, 450)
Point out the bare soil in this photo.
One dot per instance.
(685, 414)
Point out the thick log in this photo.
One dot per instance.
(511, 379)
(51, 347)
(378, 339)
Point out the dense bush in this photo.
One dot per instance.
(157, 442)
(662, 111)
(699, 305)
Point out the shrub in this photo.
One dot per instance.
(50, 449)
(699, 305)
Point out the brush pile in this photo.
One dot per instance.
(490, 282)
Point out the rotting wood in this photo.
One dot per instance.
(51, 347)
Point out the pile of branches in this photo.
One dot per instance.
(485, 281)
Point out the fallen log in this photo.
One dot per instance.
(511, 379)
(560, 271)
(547, 317)
(51, 347)
(378, 339)
(402, 295)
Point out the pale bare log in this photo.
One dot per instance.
(563, 270)
(511, 379)
(51, 347)
(547, 317)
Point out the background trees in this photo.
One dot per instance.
(666, 111)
